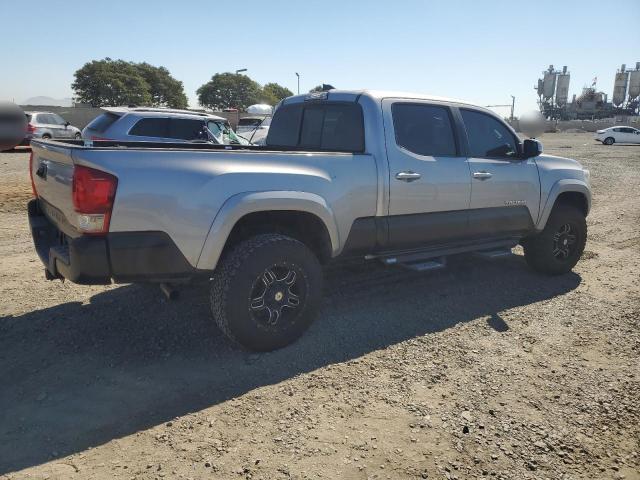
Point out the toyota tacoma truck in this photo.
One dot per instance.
(400, 178)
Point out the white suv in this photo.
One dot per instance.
(621, 134)
(138, 124)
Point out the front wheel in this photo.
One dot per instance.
(559, 246)
(266, 292)
(78, 136)
(609, 141)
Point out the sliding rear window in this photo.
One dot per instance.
(318, 126)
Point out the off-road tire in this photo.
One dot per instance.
(609, 141)
(234, 283)
(539, 249)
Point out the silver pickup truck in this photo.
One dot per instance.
(400, 178)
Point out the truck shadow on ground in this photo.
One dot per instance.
(76, 376)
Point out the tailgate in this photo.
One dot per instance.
(52, 173)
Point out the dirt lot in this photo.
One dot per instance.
(484, 370)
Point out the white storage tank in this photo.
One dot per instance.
(620, 87)
(549, 83)
(562, 88)
(634, 83)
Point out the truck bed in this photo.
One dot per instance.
(197, 146)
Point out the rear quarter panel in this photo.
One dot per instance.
(180, 192)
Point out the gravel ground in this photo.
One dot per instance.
(483, 370)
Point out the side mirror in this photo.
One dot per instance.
(531, 148)
(66, 124)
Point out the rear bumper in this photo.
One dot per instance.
(99, 260)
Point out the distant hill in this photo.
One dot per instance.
(48, 101)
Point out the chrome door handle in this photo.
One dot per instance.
(482, 175)
(408, 176)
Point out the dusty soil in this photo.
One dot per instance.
(484, 370)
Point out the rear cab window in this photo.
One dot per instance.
(325, 126)
(487, 136)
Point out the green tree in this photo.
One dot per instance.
(273, 93)
(110, 82)
(117, 82)
(165, 90)
(229, 90)
(317, 88)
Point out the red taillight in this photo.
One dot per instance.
(30, 128)
(33, 185)
(93, 195)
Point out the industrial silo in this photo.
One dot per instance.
(562, 88)
(549, 83)
(634, 83)
(620, 87)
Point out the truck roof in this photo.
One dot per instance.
(379, 95)
(151, 111)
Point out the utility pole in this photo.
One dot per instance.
(512, 105)
(298, 75)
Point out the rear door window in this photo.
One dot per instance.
(424, 129)
(102, 122)
(488, 137)
(151, 127)
(323, 126)
(185, 129)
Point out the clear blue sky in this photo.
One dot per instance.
(479, 51)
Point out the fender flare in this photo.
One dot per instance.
(562, 186)
(245, 203)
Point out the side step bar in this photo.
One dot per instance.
(418, 265)
(495, 253)
(435, 259)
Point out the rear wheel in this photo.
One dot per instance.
(78, 136)
(559, 246)
(46, 136)
(609, 141)
(266, 292)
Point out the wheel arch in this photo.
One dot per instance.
(301, 215)
(567, 192)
